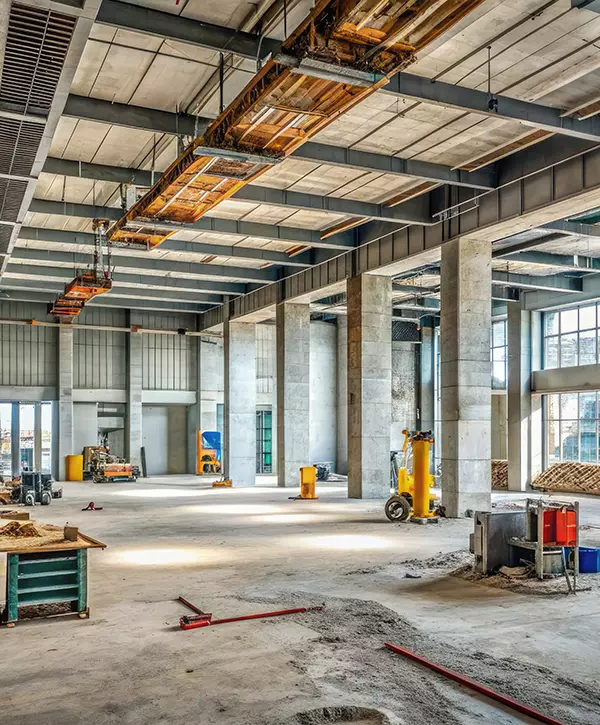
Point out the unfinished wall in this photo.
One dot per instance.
(85, 426)
(167, 360)
(99, 356)
(155, 437)
(499, 426)
(404, 391)
(323, 392)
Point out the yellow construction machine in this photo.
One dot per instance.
(412, 487)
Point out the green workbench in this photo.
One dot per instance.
(55, 574)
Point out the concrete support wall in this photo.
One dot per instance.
(536, 442)
(37, 436)
(15, 440)
(341, 462)
(519, 396)
(240, 403)
(194, 412)
(133, 428)
(369, 386)
(465, 376)
(177, 443)
(85, 426)
(426, 389)
(404, 391)
(293, 392)
(65, 397)
(323, 392)
(499, 427)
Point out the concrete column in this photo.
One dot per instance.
(37, 436)
(65, 397)
(341, 464)
(293, 391)
(536, 428)
(240, 402)
(519, 396)
(133, 430)
(369, 385)
(466, 376)
(194, 412)
(15, 439)
(426, 390)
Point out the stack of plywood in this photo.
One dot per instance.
(500, 475)
(570, 477)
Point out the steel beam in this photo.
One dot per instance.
(413, 211)
(240, 254)
(152, 281)
(509, 248)
(168, 26)
(292, 235)
(553, 282)
(150, 264)
(576, 262)
(468, 99)
(94, 109)
(575, 228)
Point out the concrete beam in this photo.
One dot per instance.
(553, 282)
(240, 254)
(208, 287)
(468, 99)
(162, 267)
(168, 26)
(412, 211)
(94, 109)
(576, 228)
(293, 235)
(575, 262)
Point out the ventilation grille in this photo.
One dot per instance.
(404, 331)
(19, 141)
(11, 197)
(36, 46)
(5, 235)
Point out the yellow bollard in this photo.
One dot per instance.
(421, 477)
(308, 482)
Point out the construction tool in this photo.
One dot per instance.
(477, 686)
(412, 495)
(204, 619)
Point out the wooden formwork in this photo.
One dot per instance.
(343, 52)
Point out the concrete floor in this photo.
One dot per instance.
(226, 550)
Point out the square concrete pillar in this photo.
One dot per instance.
(426, 389)
(341, 463)
(293, 391)
(239, 454)
(466, 376)
(369, 385)
(194, 412)
(37, 437)
(65, 397)
(15, 439)
(519, 396)
(133, 431)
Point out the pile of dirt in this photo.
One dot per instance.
(21, 528)
(500, 475)
(443, 560)
(570, 477)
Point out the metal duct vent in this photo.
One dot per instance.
(405, 331)
(36, 47)
(6, 231)
(19, 141)
(11, 197)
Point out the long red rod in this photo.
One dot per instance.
(193, 607)
(477, 686)
(262, 615)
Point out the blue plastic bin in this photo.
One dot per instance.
(589, 560)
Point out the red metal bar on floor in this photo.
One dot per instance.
(191, 606)
(262, 615)
(477, 686)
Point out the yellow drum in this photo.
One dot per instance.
(308, 482)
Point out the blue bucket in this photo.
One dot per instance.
(589, 560)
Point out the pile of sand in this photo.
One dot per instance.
(21, 528)
(570, 477)
(500, 475)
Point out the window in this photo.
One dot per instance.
(499, 354)
(5, 440)
(571, 337)
(264, 441)
(571, 424)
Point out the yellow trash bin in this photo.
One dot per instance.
(308, 482)
(74, 468)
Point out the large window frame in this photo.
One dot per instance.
(499, 354)
(572, 427)
(570, 336)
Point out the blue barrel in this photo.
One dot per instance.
(588, 560)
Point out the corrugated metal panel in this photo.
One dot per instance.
(167, 360)
(28, 353)
(265, 358)
(100, 357)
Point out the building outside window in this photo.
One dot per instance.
(571, 337)
(499, 354)
(571, 425)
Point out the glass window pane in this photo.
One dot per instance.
(587, 347)
(568, 350)
(587, 317)
(568, 406)
(587, 405)
(499, 333)
(553, 407)
(551, 323)
(568, 320)
(26, 437)
(46, 437)
(498, 374)
(5, 456)
(588, 441)
(553, 443)
(551, 353)
(569, 440)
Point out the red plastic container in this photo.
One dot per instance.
(549, 526)
(566, 528)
